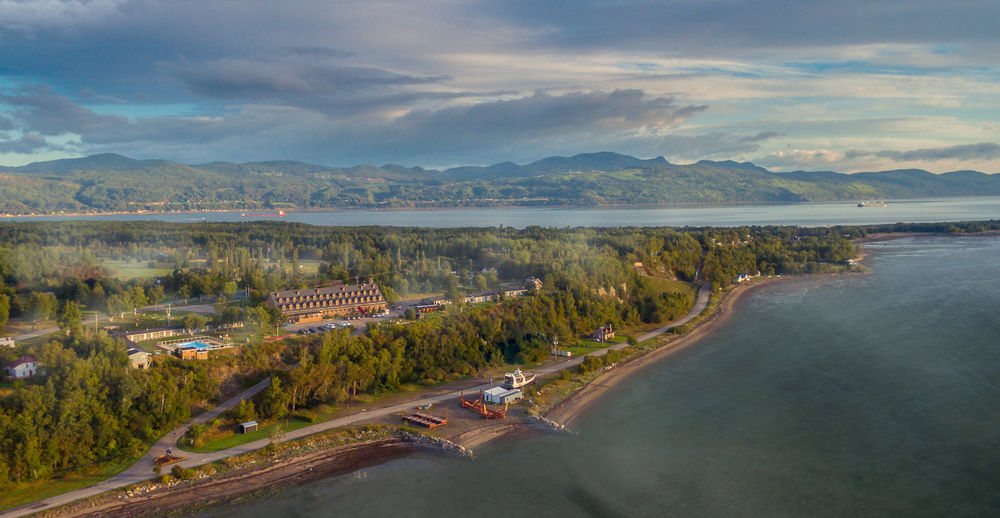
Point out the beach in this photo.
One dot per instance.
(300, 463)
(576, 405)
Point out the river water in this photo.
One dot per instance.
(802, 214)
(873, 395)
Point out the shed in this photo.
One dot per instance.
(249, 426)
(500, 395)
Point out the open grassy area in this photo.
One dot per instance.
(236, 439)
(31, 492)
(127, 270)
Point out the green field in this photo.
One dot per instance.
(128, 270)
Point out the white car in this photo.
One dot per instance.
(329, 325)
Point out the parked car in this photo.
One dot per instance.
(329, 325)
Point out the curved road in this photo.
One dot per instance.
(142, 469)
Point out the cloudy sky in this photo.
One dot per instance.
(849, 86)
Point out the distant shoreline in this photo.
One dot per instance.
(294, 210)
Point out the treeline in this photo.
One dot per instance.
(103, 183)
(91, 406)
(218, 259)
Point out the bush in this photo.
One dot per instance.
(180, 473)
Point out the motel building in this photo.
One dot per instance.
(315, 304)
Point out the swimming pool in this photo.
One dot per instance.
(196, 345)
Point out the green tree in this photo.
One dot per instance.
(138, 297)
(184, 292)
(43, 306)
(229, 289)
(4, 310)
(274, 402)
(119, 303)
(193, 321)
(155, 295)
(390, 295)
(244, 411)
(70, 318)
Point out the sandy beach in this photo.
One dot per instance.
(576, 405)
(296, 468)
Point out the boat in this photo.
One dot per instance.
(872, 204)
(479, 406)
(278, 214)
(517, 379)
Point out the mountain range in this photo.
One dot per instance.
(110, 182)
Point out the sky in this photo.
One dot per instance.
(846, 86)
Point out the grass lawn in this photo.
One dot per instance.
(307, 417)
(31, 492)
(236, 439)
(128, 270)
(585, 348)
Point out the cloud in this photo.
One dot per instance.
(695, 27)
(543, 113)
(233, 79)
(39, 110)
(980, 151)
(317, 52)
(515, 128)
(28, 15)
(27, 144)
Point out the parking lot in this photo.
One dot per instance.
(358, 323)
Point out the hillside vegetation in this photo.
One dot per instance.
(102, 183)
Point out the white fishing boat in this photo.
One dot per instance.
(517, 379)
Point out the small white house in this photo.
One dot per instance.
(23, 367)
(138, 358)
(500, 395)
(6, 341)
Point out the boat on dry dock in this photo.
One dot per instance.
(517, 379)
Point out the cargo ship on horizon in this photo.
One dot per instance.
(278, 214)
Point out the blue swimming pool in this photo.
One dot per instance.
(195, 344)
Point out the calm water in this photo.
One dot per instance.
(803, 214)
(865, 396)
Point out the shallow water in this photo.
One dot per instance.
(802, 214)
(870, 395)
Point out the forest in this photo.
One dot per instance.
(90, 407)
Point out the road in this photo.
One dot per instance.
(143, 468)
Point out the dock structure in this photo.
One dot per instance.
(423, 419)
(480, 407)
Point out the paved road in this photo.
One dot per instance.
(142, 469)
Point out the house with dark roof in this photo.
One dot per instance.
(313, 304)
(138, 358)
(21, 368)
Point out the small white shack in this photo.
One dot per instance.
(500, 395)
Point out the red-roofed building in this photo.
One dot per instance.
(23, 367)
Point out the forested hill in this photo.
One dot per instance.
(110, 182)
